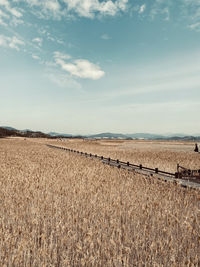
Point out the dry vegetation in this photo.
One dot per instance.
(161, 154)
(60, 209)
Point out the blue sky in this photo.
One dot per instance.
(89, 66)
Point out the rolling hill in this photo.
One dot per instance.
(6, 131)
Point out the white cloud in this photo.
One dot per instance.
(45, 9)
(122, 4)
(9, 15)
(59, 55)
(38, 41)
(142, 9)
(187, 11)
(11, 42)
(16, 21)
(3, 16)
(195, 26)
(108, 8)
(84, 8)
(53, 6)
(80, 68)
(191, 13)
(35, 57)
(161, 8)
(11, 10)
(50, 64)
(15, 43)
(61, 42)
(88, 8)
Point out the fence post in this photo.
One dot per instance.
(128, 163)
(140, 166)
(156, 170)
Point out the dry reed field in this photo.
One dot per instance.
(60, 209)
(164, 155)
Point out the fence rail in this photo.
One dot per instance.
(166, 176)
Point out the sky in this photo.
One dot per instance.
(91, 66)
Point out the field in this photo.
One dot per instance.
(161, 154)
(61, 209)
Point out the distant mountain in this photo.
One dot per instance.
(109, 135)
(8, 128)
(59, 134)
(10, 131)
(36, 134)
(145, 136)
(177, 134)
(26, 130)
(127, 136)
(4, 132)
(184, 138)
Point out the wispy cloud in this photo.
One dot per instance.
(191, 13)
(35, 57)
(187, 12)
(142, 9)
(11, 42)
(174, 77)
(64, 8)
(105, 36)
(62, 80)
(38, 41)
(9, 15)
(82, 8)
(81, 68)
(195, 26)
(89, 8)
(45, 9)
(59, 55)
(6, 5)
(3, 16)
(161, 8)
(16, 21)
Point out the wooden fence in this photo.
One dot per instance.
(166, 176)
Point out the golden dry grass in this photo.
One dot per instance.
(154, 154)
(60, 209)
